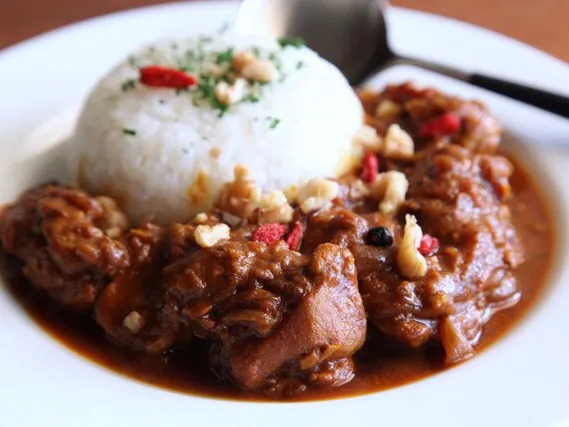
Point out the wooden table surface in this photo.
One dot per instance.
(541, 23)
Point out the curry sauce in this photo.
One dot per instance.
(379, 365)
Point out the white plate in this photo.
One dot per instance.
(521, 381)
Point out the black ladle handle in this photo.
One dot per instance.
(548, 101)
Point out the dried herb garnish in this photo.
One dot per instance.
(274, 122)
(292, 41)
(251, 97)
(198, 62)
(128, 85)
(224, 57)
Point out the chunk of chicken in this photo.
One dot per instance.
(131, 309)
(328, 324)
(58, 234)
(271, 309)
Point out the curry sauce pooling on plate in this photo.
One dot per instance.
(427, 253)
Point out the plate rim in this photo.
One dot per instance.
(270, 409)
(77, 25)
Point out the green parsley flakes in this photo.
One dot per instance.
(224, 57)
(129, 132)
(273, 122)
(128, 85)
(224, 28)
(252, 98)
(291, 41)
(205, 91)
(132, 61)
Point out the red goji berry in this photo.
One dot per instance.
(429, 245)
(158, 76)
(294, 238)
(443, 125)
(370, 167)
(268, 233)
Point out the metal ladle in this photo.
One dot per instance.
(352, 34)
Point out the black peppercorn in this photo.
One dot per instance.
(379, 236)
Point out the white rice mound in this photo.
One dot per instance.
(182, 151)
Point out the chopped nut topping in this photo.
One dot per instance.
(217, 70)
(349, 161)
(291, 193)
(230, 94)
(133, 322)
(198, 192)
(207, 236)
(318, 187)
(273, 200)
(274, 207)
(358, 190)
(260, 71)
(200, 218)
(242, 173)
(411, 263)
(398, 144)
(368, 138)
(388, 110)
(317, 194)
(117, 221)
(241, 59)
(240, 197)
(390, 188)
(313, 204)
(282, 214)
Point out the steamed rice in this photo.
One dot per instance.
(164, 155)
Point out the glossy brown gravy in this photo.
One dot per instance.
(187, 371)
